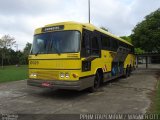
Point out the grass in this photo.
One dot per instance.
(155, 106)
(157, 97)
(13, 73)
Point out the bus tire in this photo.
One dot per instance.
(126, 72)
(96, 84)
(130, 69)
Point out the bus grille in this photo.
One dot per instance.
(48, 75)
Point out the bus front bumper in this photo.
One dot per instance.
(59, 84)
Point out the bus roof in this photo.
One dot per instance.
(90, 27)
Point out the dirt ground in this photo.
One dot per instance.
(129, 95)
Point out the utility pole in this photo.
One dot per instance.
(89, 11)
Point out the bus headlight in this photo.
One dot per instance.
(62, 75)
(33, 75)
(67, 75)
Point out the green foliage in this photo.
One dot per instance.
(23, 56)
(12, 73)
(139, 50)
(9, 56)
(127, 38)
(146, 35)
(6, 43)
(155, 106)
(26, 52)
(27, 48)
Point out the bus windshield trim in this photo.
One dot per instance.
(57, 42)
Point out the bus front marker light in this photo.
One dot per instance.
(62, 75)
(33, 75)
(67, 75)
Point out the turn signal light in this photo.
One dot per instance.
(74, 75)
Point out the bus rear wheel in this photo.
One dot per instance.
(126, 74)
(96, 83)
(128, 71)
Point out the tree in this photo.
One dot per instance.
(26, 51)
(139, 50)
(146, 35)
(127, 38)
(6, 42)
(27, 48)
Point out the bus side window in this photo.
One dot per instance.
(105, 42)
(95, 46)
(86, 44)
(114, 44)
(90, 44)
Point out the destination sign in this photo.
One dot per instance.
(53, 28)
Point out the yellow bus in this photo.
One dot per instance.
(76, 56)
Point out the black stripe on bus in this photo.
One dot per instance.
(86, 76)
(93, 75)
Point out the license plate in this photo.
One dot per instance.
(45, 84)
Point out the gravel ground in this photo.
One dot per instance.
(130, 95)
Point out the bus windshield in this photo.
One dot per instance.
(56, 42)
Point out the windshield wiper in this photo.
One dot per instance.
(57, 51)
(54, 47)
(37, 52)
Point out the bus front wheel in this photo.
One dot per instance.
(96, 83)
